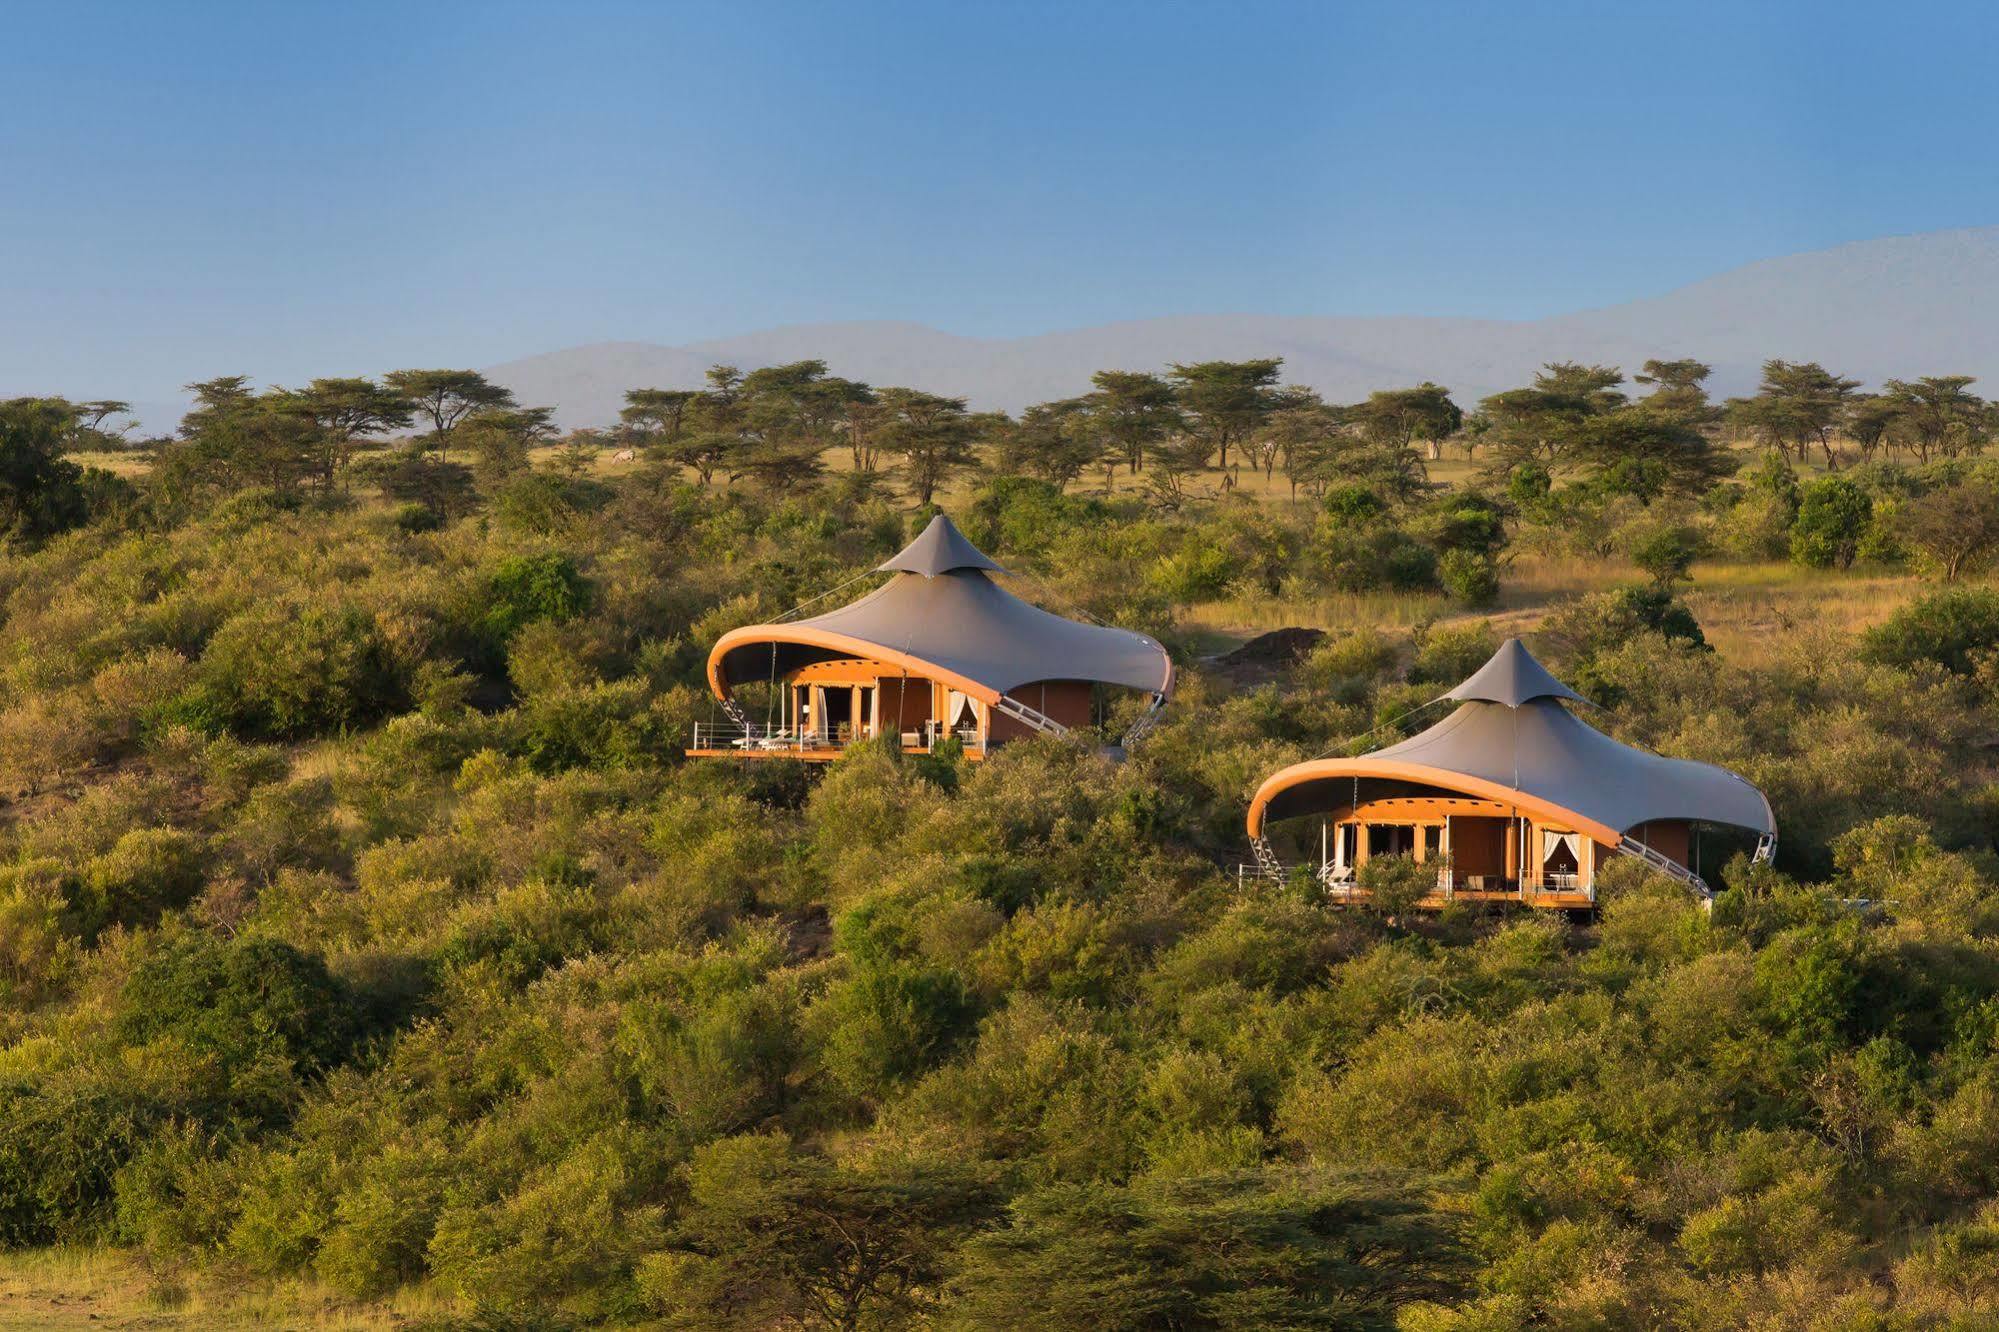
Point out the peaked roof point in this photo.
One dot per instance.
(1512, 677)
(941, 548)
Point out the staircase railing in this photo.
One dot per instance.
(1667, 866)
(1146, 721)
(1026, 716)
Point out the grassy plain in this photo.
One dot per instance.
(54, 1290)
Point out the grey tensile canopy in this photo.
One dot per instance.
(1512, 676)
(941, 610)
(1513, 733)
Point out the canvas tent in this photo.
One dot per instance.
(938, 649)
(1509, 783)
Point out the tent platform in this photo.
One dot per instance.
(811, 753)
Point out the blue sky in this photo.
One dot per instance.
(288, 189)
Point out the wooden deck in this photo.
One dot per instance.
(1551, 899)
(809, 753)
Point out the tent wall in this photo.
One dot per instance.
(1668, 837)
(1478, 846)
(905, 702)
(1066, 701)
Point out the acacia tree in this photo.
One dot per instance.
(348, 411)
(1679, 389)
(1402, 416)
(503, 440)
(447, 397)
(1542, 423)
(1938, 414)
(234, 437)
(1642, 451)
(1053, 441)
(1224, 402)
(712, 423)
(931, 435)
(772, 1238)
(1872, 421)
(1322, 449)
(86, 423)
(657, 416)
(40, 490)
(1797, 405)
(1278, 1248)
(1956, 526)
(1130, 413)
(788, 416)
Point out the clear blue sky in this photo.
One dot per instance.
(284, 189)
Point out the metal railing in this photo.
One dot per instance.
(1672, 869)
(1339, 884)
(752, 739)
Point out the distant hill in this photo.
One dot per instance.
(1879, 309)
(1900, 306)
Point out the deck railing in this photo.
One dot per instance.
(1340, 885)
(751, 739)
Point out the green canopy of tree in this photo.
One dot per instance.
(1255, 1249)
(446, 397)
(1798, 404)
(1401, 417)
(1223, 402)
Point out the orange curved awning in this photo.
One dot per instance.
(807, 636)
(1318, 770)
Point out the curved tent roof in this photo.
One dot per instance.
(941, 617)
(1512, 741)
(1512, 676)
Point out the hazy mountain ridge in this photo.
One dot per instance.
(1895, 307)
(1878, 309)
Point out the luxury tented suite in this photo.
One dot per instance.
(1511, 796)
(939, 653)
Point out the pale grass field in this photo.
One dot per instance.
(75, 1288)
(1747, 611)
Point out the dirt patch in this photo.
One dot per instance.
(1267, 655)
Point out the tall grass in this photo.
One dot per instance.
(98, 1288)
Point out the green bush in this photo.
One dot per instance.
(1668, 552)
(268, 1013)
(1470, 578)
(1832, 522)
(60, 1148)
(148, 871)
(527, 588)
(1953, 628)
(891, 1021)
(290, 672)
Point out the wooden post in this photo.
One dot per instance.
(1513, 848)
(1359, 845)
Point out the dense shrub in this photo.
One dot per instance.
(289, 672)
(267, 1013)
(1469, 577)
(1954, 628)
(360, 921)
(61, 1147)
(527, 588)
(1832, 522)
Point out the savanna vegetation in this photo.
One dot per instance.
(365, 936)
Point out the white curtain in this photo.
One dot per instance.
(1552, 840)
(958, 710)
